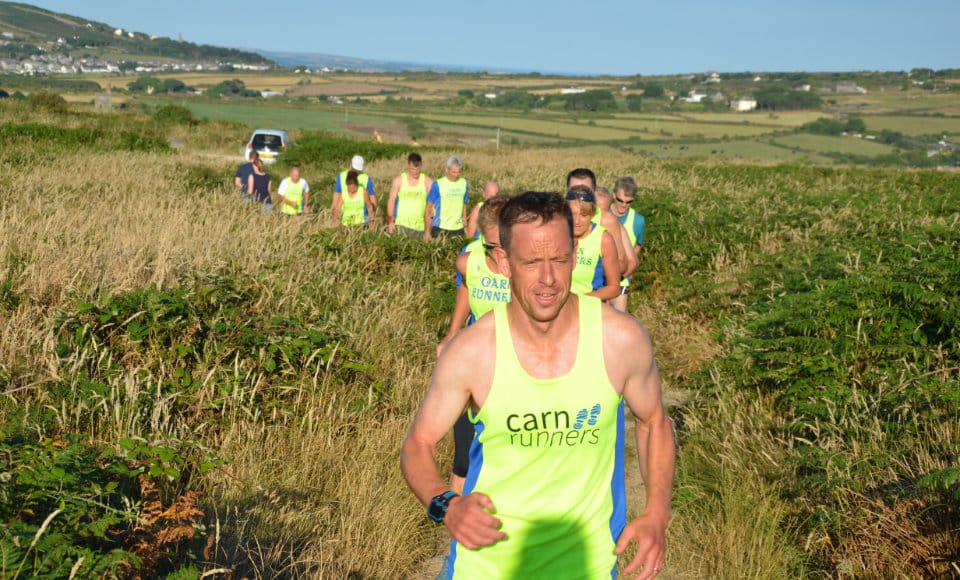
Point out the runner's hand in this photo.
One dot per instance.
(391, 228)
(650, 535)
(470, 521)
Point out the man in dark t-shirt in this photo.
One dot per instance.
(242, 175)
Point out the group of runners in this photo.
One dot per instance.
(535, 387)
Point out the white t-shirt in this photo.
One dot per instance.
(283, 185)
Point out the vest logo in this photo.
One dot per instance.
(555, 428)
(584, 260)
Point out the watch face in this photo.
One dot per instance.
(438, 506)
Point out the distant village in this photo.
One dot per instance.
(50, 61)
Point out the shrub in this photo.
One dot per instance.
(174, 115)
(49, 102)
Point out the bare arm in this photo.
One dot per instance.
(611, 272)
(469, 518)
(610, 221)
(337, 204)
(629, 251)
(656, 448)
(392, 202)
(250, 185)
(427, 218)
(471, 230)
(371, 209)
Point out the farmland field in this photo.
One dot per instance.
(451, 110)
(193, 387)
(847, 144)
(915, 124)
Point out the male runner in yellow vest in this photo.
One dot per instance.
(544, 496)
(634, 224)
(490, 189)
(447, 202)
(408, 199)
(294, 194)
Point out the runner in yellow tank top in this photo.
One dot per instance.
(481, 287)
(596, 272)
(407, 203)
(354, 206)
(544, 475)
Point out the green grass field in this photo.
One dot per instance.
(914, 124)
(847, 144)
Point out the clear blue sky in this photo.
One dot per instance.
(627, 37)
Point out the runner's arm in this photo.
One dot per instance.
(392, 202)
(611, 273)
(469, 518)
(656, 447)
(471, 230)
(631, 259)
(610, 221)
(337, 204)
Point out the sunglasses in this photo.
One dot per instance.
(588, 197)
(624, 201)
(489, 248)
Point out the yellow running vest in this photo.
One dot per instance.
(293, 192)
(549, 454)
(451, 203)
(487, 289)
(411, 203)
(588, 272)
(352, 210)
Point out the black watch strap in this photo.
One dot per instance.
(439, 504)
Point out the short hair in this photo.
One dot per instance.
(586, 207)
(352, 178)
(254, 155)
(530, 207)
(490, 212)
(601, 191)
(454, 160)
(582, 173)
(415, 159)
(627, 185)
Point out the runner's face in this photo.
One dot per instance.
(622, 201)
(294, 175)
(352, 188)
(453, 172)
(539, 266)
(413, 170)
(581, 220)
(580, 181)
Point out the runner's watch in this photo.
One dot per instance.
(439, 504)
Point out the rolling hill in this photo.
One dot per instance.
(27, 30)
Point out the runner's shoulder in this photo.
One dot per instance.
(622, 333)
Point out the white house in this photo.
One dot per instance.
(743, 104)
(572, 91)
(694, 97)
